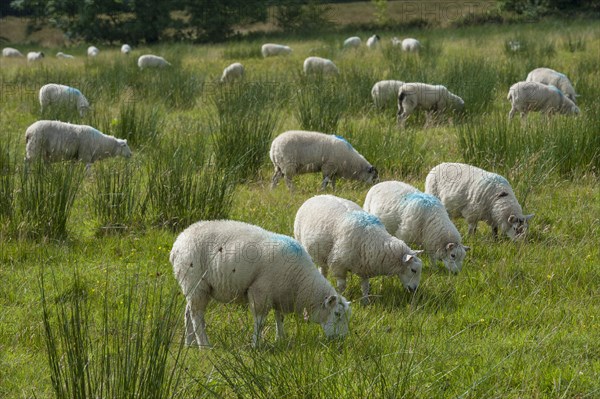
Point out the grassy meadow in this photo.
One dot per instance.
(89, 306)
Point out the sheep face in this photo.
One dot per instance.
(410, 271)
(336, 312)
(516, 226)
(123, 149)
(369, 175)
(452, 256)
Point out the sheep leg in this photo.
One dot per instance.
(259, 308)
(365, 287)
(279, 324)
(190, 335)
(288, 181)
(195, 309)
(276, 177)
(495, 232)
(472, 227)
(326, 180)
(402, 119)
(512, 112)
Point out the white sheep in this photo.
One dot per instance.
(411, 45)
(533, 96)
(340, 236)
(11, 52)
(152, 61)
(126, 49)
(60, 54)
(373, 41)
(34, 56)
(396, 42)
(318, 65)
(352, 42)
(549, 76)
(233, 72)
(385, 92)
(55, 141)
(433, 99)
(476, 194)
(271, 49)
(53, 94)
(92, 51)
(298, 151)
(417, 218)
(231, 261)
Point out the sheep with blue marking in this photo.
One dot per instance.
(231, 261)
(478, 195)
(557, 79)
(385, 92)
(343, 238)
(57, 95)
(299, 151)
(417, 218)
(526, 97)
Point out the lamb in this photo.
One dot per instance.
(533, 96)
(339, 235)
(476, 194)
(34, 56)
(233, 72)
(298, 151)
(55, 141)
(126, 49)
(270, 49)
(430, 98)
(60, 54)
(318, 65)
(417, 218)
(385, 92)
(352, 42)
(11, 52)
(373, 41)
(549, 76)
(64, 96)
(411, 45)
(152, 61)
(232, 261)
(92, 51)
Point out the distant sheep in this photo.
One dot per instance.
(417, 218)
(298, 151)
(373, 41)
(318, 65)
(231, 261)
(126, 49)
(533, 96)
(342, 237)
(411, 45)
(11, 52)
(551, 77)
(233, 72)
(55, 141)
(433, 99)
(385, 92)
(92, 51)
(475, 194)
(396, 42)
(152, 61)
(63, 96)
(65, 56)
(352, 42)
(270, 49)
(34, 56)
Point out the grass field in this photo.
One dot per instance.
(89, 306)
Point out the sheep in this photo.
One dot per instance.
(231, 261)
(352, 42)
(126, 49)
(340, 236)
(233, 72)
(373, 41)
(318, 65)
(298, 151)
(65, 56)
(549, 76)
(11, 52)
(533, 96)
(417, 218)
(385, 92)
(411, 45)
(430, 98)
(270, 49)
(152, 61)
(34, 56)
(396, 42)
(55, 141)
(65, 96)
(92, 51)
(476, 194)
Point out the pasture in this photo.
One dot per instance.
(89, 306)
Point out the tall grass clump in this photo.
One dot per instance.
(319, 105)
(472, 79)
(8, 178)
(138, 124)
(175, 86)
(355, 88)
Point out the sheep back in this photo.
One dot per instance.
(533, 96)
(549, 76)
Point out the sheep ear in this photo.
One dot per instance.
(450, 246)
(502, 194)
(527, 217)
(512, 219)
(330, 301)
(466, 248)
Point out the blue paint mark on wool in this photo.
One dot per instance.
(424, 200)
(343, 139)
(364, 219)
(289, 244)
(494, 178)
(74, 91)
(556, 89)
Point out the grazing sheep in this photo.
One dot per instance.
(34, 56)
(549, 76)
(54, 94)
(92, 51)
(411, 45)
(232, 261)
(55, 141)
(318, 65)
(396, 42)
(373, 41)
(270, 49)
(126, 49)
(476, 194)
(342, 237)
(385, 92)
(352, 42)
(152, 61)
(298, 151)
(233, 72)
(11, 52)
(533, 96)
(65, 56)
(419, 218)
(433, 99)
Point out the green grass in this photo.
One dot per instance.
(101, 314)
